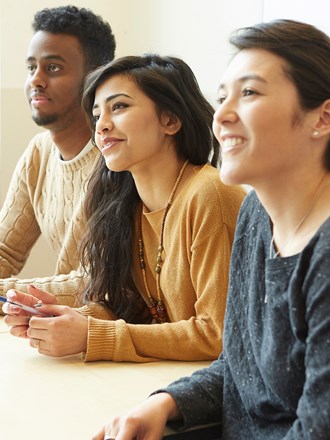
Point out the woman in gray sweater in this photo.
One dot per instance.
(272, 380)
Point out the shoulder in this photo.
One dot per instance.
(253, 232)
(317, 253)
(38, 151)
(252, 215)
(206, 204)
(41, 145)
(206, 199)
(42, 140)
(207, 188)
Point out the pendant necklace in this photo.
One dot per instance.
(316, 198)
(157, 308)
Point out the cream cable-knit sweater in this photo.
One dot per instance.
(45, 197)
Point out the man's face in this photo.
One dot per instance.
(56, 69)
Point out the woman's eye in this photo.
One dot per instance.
(95, 118)
(118, 106)
(248, 92)
(221, 99)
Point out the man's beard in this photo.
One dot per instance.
(43, 121)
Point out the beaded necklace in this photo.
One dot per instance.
(157, 308)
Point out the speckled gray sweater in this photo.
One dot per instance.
(272, 380)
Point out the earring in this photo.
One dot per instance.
(316, 133)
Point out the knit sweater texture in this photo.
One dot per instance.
(198, 236)
(45, 196)
(272, 380)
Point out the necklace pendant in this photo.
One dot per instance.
(161, 312)
(153, 309)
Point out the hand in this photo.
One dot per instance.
(17, 318)
(146, 421)
(63, 333)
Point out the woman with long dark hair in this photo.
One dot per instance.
(160, 223)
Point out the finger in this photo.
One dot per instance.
(35, 343)
(21, 298)
(45, 297)
(39, 345)
(20, 331)
(10, 309)
(52, 309)
(108, 432)
(14, 320)
(99, 436)
(37, 334)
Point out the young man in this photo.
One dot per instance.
(46, 193)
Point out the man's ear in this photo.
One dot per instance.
(170, 123)
(322, 125)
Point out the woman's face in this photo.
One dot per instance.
(259, 123)
(129, 132)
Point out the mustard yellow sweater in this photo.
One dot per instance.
(45, 197)
(198, 237)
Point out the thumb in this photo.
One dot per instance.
(52, 309)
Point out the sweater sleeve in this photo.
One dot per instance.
(34, 206)
(19, 228)
(66, 287)
(198, 397)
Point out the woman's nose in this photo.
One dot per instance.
(226, 112)
(103, 124)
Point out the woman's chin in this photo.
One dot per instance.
(230, 176)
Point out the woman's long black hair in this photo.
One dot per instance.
(112, 198)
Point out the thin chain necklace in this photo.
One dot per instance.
(317, 195)
(157, 308)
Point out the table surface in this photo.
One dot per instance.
(66, 398)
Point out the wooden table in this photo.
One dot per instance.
(67, 399)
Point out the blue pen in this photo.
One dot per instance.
(22, 306)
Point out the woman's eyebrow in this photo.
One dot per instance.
(111, 97)
(244, 78)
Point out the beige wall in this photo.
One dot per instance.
(192, 29)
(196, 30)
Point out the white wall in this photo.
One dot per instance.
(315, 12)
(192, 29)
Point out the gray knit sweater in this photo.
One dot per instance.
(272, 380)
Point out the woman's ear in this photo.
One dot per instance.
(170, 123)
(322, 125)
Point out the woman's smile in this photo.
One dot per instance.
(108, 143)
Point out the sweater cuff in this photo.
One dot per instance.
(101, 340)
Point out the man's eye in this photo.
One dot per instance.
(53, 68)
(31, 67)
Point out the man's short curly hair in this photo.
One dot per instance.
(94, 34)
